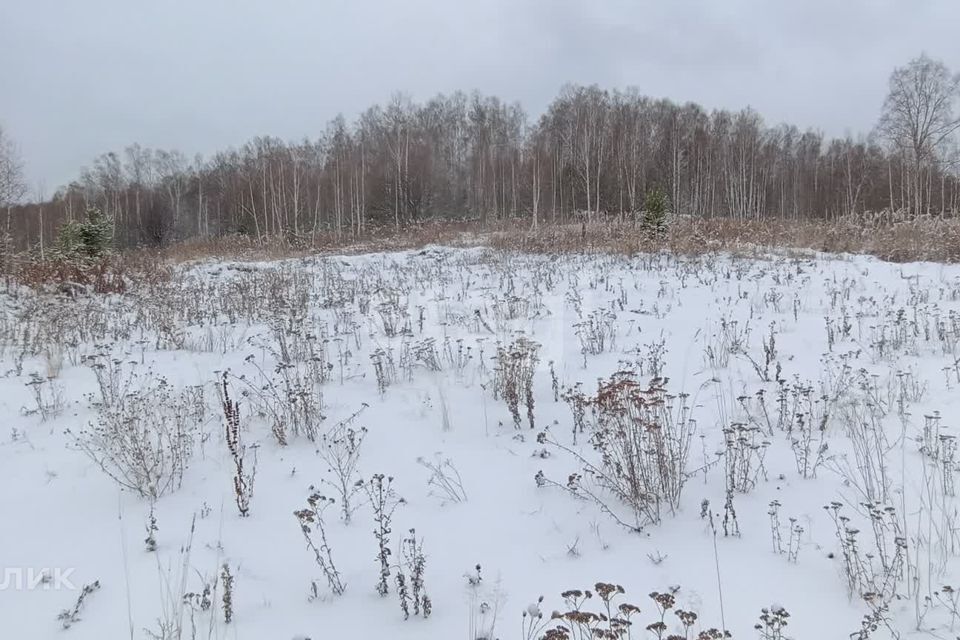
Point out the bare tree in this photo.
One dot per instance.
(918, 117)
(474, 156)
(12, 188)
(12, 185)
(590, 107)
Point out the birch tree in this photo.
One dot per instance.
(919, 117)
(12, 184)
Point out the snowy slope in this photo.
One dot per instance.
(869, 341)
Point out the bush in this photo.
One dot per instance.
(144, 438)
(642, 435)
(655, 211)
(87, 239)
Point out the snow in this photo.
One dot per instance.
(61, 511)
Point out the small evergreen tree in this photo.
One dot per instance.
(655, 211)
(87, 239)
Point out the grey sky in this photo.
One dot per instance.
(81, 77)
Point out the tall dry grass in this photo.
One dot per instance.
(888, 237)
(896, 240)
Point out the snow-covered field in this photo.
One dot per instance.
(736, 433)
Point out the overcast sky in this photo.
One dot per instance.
(82, 77)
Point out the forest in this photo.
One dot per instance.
(594, 153)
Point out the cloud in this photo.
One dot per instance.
(82, 78)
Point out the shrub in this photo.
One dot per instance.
(145, 440)
(513, 379)
(642, 436)
(89, 238)
(655, 211)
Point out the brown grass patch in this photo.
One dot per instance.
(918, 239)
(888, 238)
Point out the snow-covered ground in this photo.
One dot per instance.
(807, 382)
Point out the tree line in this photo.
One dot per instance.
(594, 153)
